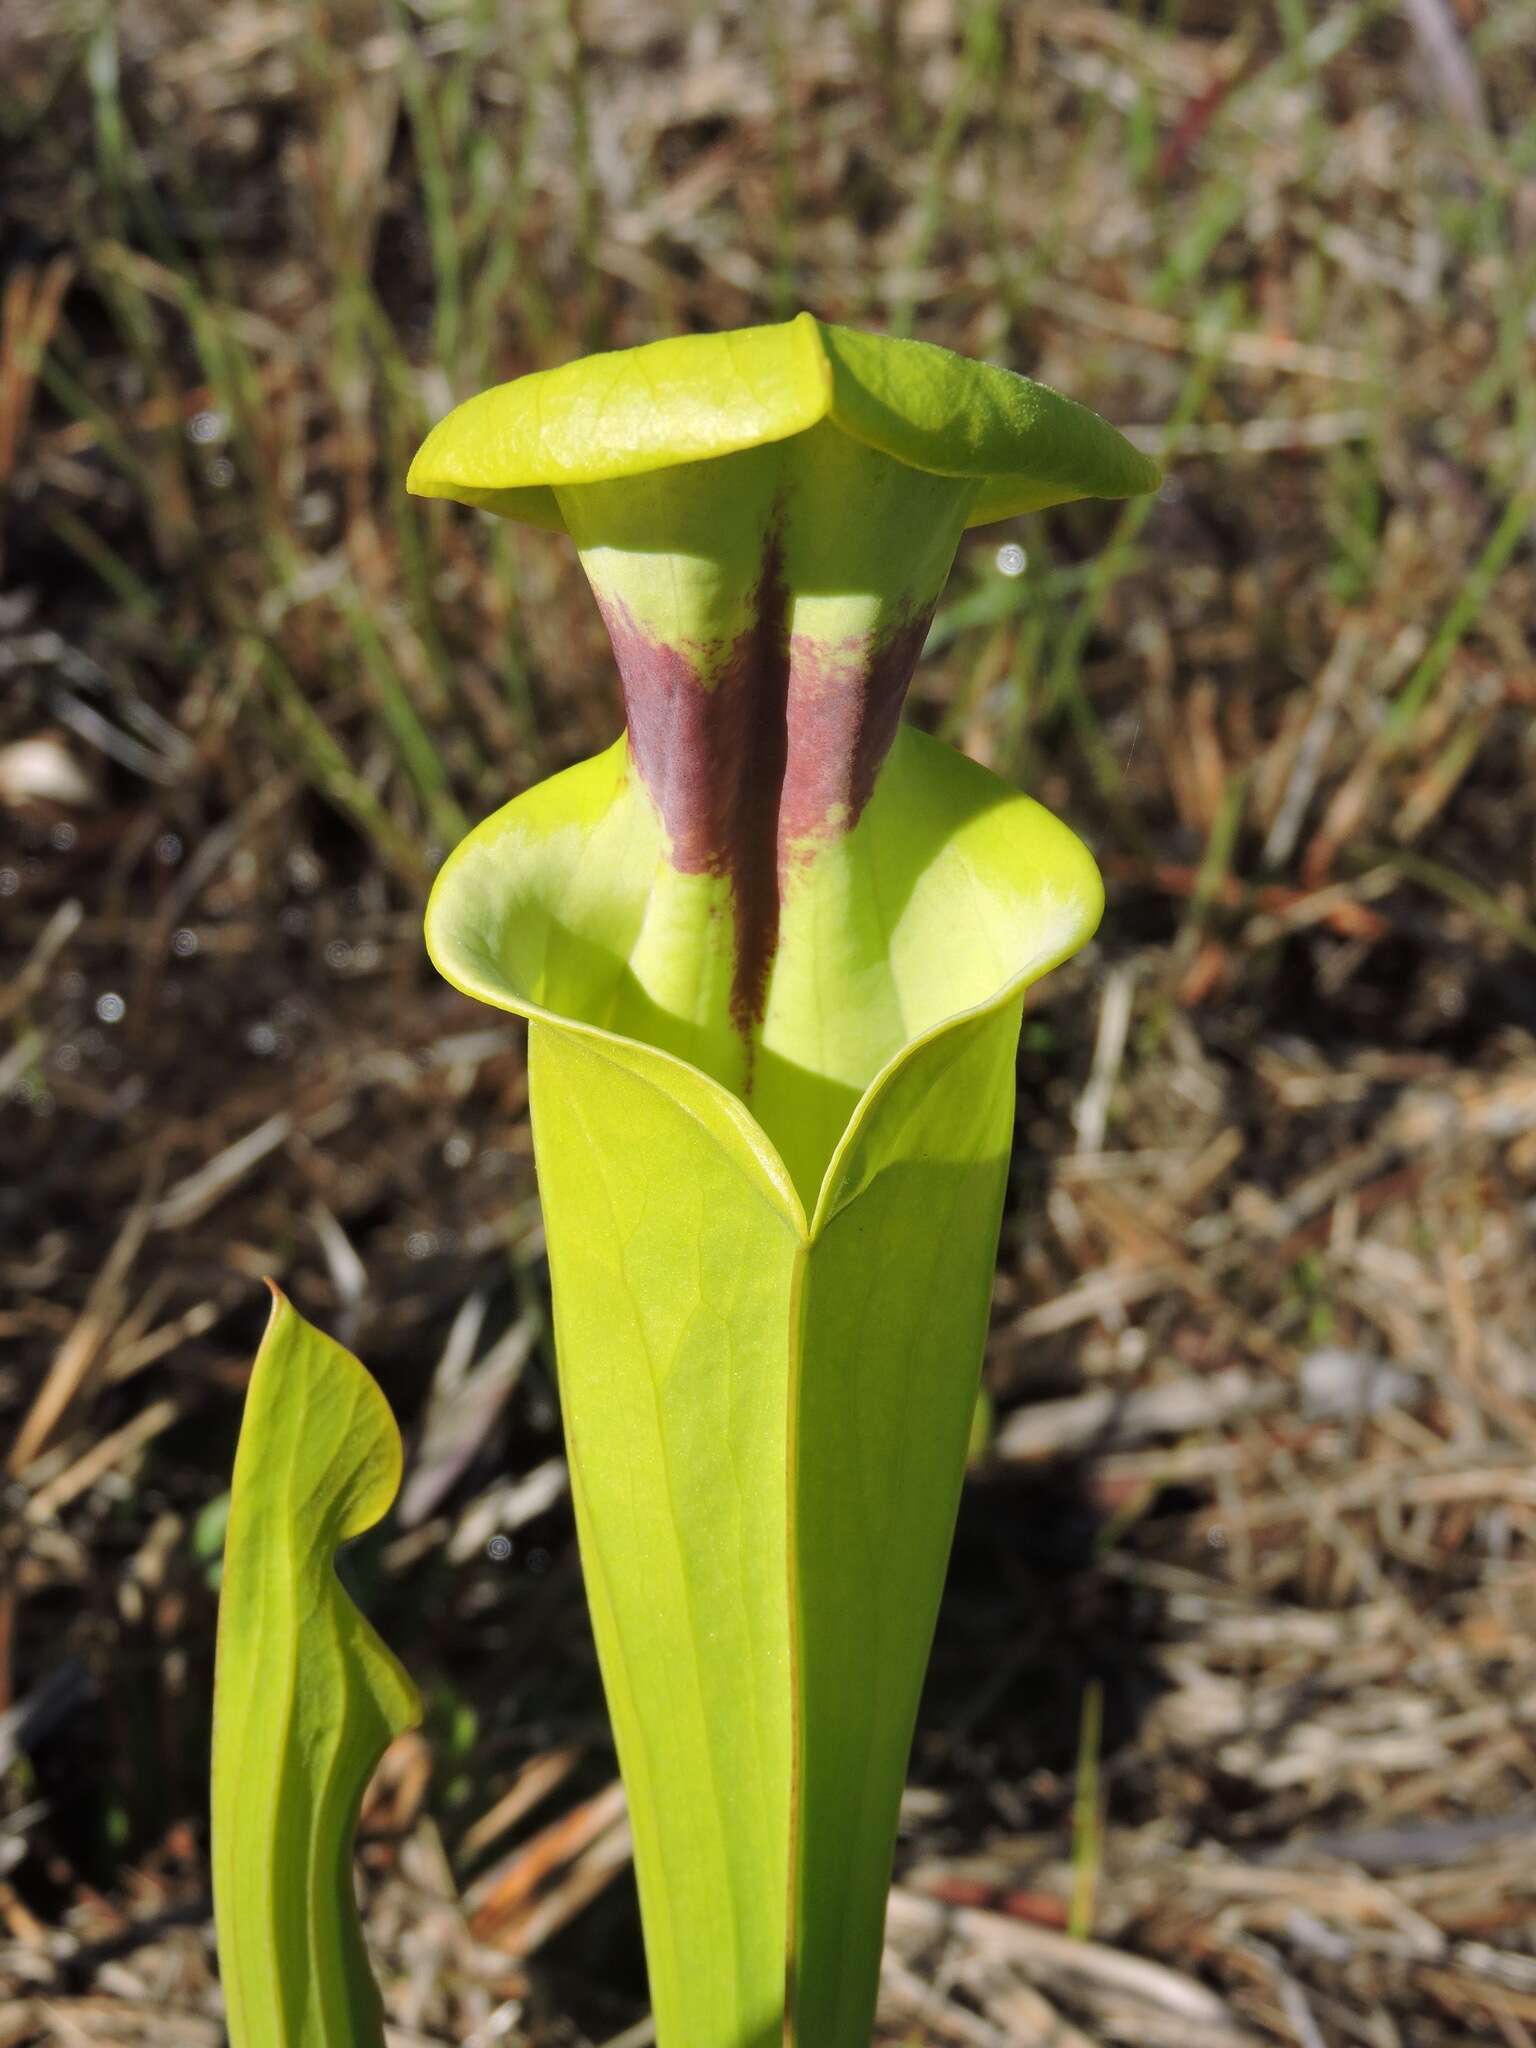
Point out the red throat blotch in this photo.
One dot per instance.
(756, 749)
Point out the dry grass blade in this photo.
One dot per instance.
(29, 311)
(501, 1903)
(1060, 1958)
(106, 1452)
(78, 1356)
(198, 1192)
(1104, 1420)
(533, 1783)
(51, 941)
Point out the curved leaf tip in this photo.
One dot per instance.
(306, 1695)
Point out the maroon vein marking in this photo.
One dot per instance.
(845, 699)
(756, 750)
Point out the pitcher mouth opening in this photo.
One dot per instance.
(529, 914)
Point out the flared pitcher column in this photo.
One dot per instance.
(773, 945)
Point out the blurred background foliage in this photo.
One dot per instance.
(1237, 1667)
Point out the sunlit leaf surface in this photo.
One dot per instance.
(306, 1695)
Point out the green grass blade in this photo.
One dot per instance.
(1087, 1814)
(1461, 616)
(306, 1696)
